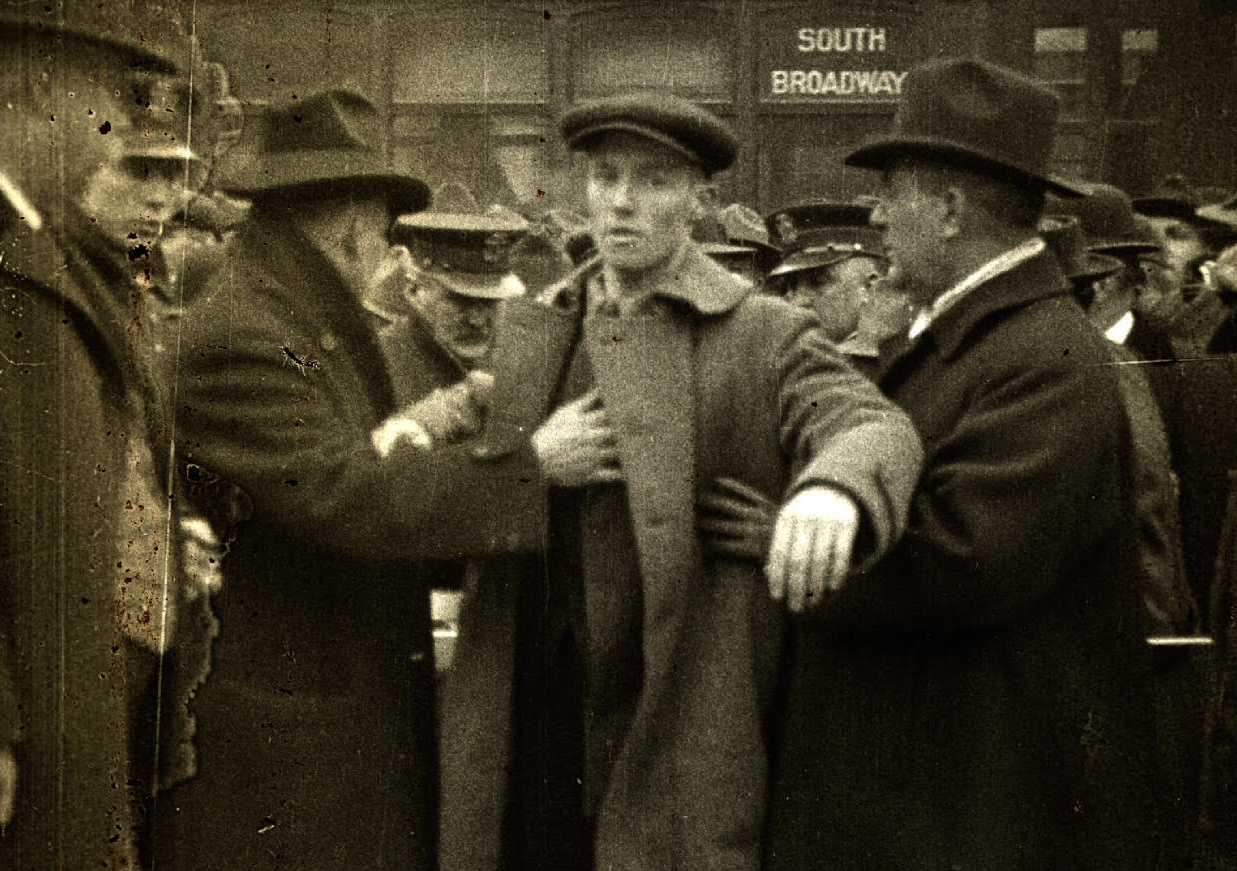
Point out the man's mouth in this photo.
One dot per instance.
(623, 235)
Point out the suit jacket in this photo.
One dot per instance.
(726, 383)
(979, 698)
(317, 720)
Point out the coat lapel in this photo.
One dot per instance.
(643, 367)
(532, 341)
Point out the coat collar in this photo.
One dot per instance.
(1035, 279)
(700, 283)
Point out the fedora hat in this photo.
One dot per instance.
(1107, 219)
(976, 115)
(1065, 238)
(324, 145)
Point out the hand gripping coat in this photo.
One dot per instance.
(717, 381)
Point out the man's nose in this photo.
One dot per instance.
(621, 195)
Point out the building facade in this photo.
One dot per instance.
(471, 89)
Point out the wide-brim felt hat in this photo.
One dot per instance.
(976, 115)
(149, 33)
(470, 253)
(327, 144)
(1065, 238)
(677, 123)
(1106, 216)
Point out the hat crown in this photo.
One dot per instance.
(673, 121)
(330, 120)
(974, 114)
(995, 111)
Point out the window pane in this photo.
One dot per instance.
(690, 54)
(271, 54)
(501, 158)
(453, 57)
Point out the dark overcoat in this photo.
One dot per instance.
(727, 383)
(980, 698)
(316, 738)
(71, 416)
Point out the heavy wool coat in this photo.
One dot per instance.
(727, 383)
(71, 419)
(981, 697)
(316, 738)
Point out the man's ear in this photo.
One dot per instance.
(350, 243)
(953, 211)
(707, 200)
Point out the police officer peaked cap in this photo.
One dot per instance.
(677, 123)
(469, 251)
(820, 223)
(976, 115)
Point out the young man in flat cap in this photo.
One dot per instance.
(980, 697)
(76, 411)
(316, 733)
(607, 701)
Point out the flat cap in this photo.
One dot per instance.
(679, 124)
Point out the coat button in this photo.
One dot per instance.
(329, 342)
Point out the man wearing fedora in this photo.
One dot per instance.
(315, 728)
(606, 703)
(978, 698)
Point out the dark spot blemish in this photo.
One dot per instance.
(105, 128)
(291, 482)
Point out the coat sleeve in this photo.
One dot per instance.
(1015, 498)
(298, 442)
(843, 432)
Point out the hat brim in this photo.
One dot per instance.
(260, 177)
(478, 286)
(1117, 247)
(1164, 207)
(879, 153)
(585, 139)
(1095, 267)
(809, 258)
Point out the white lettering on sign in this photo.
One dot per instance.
(846, 83)
(842, 39)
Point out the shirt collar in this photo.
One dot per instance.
(998, 265)
(1120, 331)
(700, 283)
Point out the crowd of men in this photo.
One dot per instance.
(892, 534)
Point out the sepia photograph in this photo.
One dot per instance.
(615, 435)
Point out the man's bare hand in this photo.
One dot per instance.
(812, 543)
(576, 446)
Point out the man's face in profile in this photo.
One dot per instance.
(641, 198)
